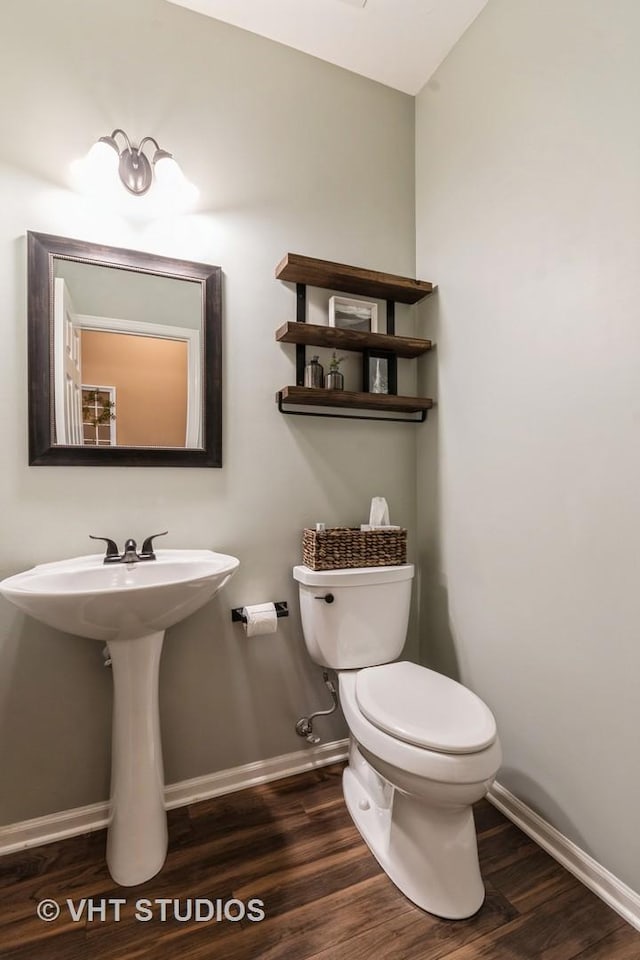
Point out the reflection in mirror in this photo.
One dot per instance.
(126, 357)
(127, 346)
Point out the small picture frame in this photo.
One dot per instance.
(379, 372)
(378, 375)
(353, 314)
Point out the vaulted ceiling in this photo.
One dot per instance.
(398, 42)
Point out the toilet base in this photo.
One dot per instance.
(429, 852)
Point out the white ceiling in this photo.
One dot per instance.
(398, 42)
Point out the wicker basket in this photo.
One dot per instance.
(339, 547)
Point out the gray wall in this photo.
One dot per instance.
(289, 153)
(128, 295)
(528, 212)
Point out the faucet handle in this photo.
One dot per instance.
(147, 546)
(112, 546)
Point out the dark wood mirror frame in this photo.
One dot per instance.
(42, 249)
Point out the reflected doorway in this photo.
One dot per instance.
(148, 377)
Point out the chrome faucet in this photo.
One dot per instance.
(130, 553)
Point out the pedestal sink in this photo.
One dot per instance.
(128, 606)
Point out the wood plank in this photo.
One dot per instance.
(486, 816)
(422, 936)
(301, 932)
(529, 883)
(502, 846)
(240, 855)
(622, 944)
(304, 883)
(60, 945)
(558, 930)
(319, 397)
(318, 335)
(338, 276)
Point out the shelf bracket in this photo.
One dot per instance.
(301, 317)
(391, 317)
(392, 363)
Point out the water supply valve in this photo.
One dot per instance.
(304, 726)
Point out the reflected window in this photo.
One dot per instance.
(98, 416)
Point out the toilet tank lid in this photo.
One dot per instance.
(424, 708)
(352, 576)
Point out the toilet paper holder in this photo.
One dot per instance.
(238, 616)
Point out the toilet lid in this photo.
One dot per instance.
(425, 708)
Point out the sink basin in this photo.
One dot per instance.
(128, 606)
(116, 600)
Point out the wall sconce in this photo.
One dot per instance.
(138, 172)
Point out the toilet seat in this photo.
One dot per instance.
(432, 764)
(424, 708)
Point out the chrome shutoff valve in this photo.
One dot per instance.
(304, 726)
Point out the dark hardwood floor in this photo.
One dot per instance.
(292, 845)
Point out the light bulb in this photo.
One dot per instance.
(97, 172)
(172, 184)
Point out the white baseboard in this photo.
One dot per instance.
(70, 823)
(597, 878)
(55, 826)
(251, 774)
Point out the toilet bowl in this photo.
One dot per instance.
(423, 747)
(423, 833)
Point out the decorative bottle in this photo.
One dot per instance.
(335, 379)
(314, 373)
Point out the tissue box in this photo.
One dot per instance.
(339, 547)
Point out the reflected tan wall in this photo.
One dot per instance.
(150, 377)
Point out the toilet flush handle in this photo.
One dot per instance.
(328, 598)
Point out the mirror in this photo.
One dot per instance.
(124, 357)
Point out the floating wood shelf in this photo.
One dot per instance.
(308, 271)
(338, 276)
(319, 397)
(312, 334)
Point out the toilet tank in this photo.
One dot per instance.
(366, 622)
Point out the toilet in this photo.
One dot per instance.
(423, 748)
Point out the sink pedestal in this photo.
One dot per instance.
(137, 836)
(127, 606)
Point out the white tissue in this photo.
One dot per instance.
(391, 526)
(379, 514)
(261, 619)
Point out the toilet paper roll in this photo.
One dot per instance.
(261, 619)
